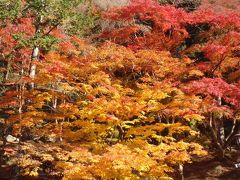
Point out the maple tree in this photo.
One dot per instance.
(98, 105)
(139, 105)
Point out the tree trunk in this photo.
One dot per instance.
(9, 65)
(32, 73)
(221, 132)
(238, 135)
(35, 52)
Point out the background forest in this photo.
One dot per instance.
(136, 89)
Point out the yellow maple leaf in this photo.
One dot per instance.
(196, 117)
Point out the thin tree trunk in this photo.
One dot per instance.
(232, 130)
(54, 104)
(221, 132)
(214, 134)
(238, 135)
(181, 171)
(6, 76)
(35, 52)
(21, 94)
(33, 67)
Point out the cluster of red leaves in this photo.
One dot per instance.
(166, 24)
(223, 54)
(12, 46)
(217, 88)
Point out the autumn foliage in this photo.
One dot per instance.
(147, 100)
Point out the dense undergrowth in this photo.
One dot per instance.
(155, 90)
